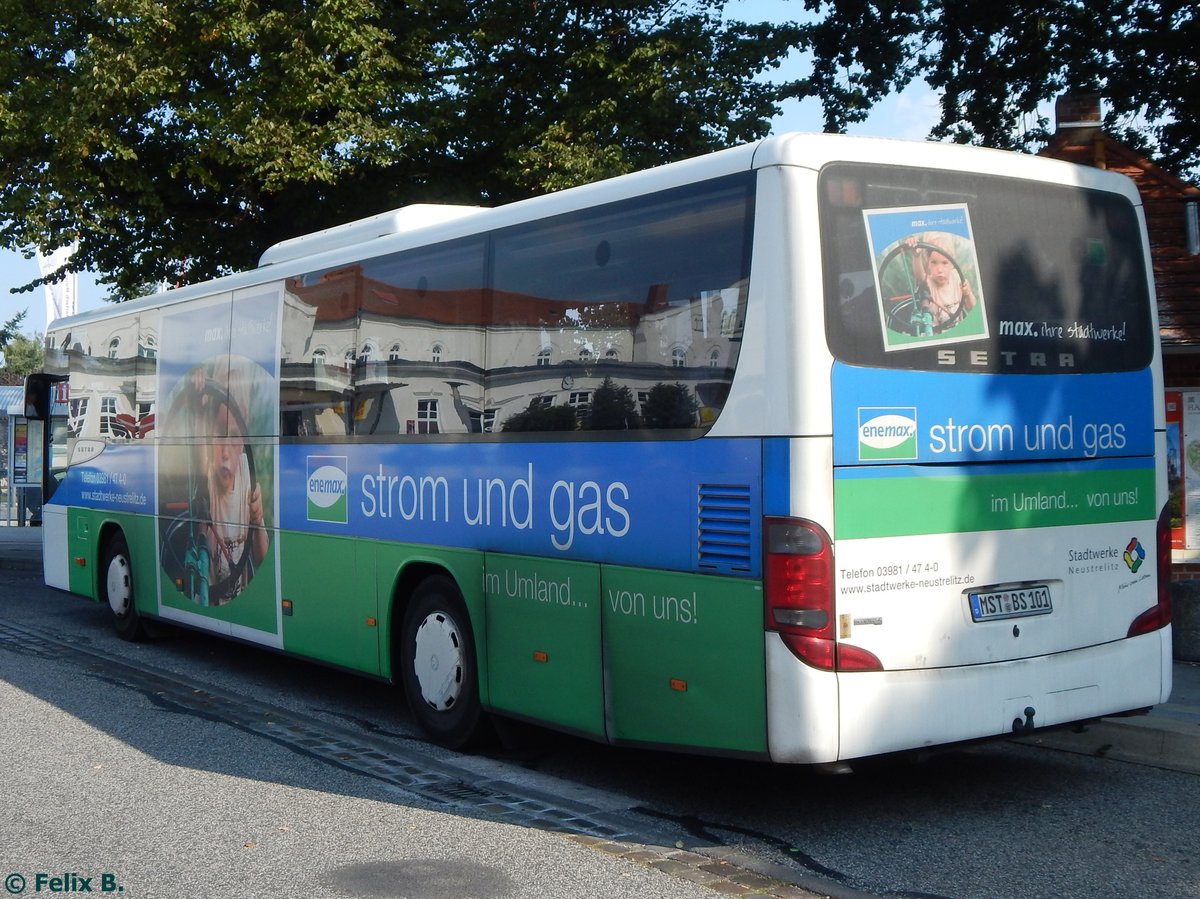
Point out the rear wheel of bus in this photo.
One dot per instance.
(438, 667)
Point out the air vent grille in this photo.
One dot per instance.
(724, 534)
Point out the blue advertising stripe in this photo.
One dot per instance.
(119, 479)
(777, 476)
(885, 416)
(629, 503)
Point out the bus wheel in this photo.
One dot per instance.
(116, 588)
(438, 669)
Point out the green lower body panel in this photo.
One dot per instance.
(684, 660)
(331, 610)
(86, 532)
(627, 655)
(543, 627)
(621, 654)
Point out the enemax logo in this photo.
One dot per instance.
(326, 487)
(887, 433)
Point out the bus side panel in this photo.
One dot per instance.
(56, 567)
(330, 582)
(80, 543)
(683, 660)
(543, 624)
(87, 531)
(802, 708)
(139, 534)
(802, 701)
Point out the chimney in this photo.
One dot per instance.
(1073, 111)
(1079, 121)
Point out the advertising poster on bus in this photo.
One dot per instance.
(1191, 469)
(215, 470)
(1174, 406)
(926, 276)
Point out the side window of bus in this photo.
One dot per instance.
(320, 337)
(624, 316)
(102, 363)
(146, 399)
(419, 366)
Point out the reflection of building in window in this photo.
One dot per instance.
(489, 326)
(482, 422)
(349, 358)
(427, 416)
(108, 390)
(318, 357)
(108, 416)
(77, 415)
(369, 352)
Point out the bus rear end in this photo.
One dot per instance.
(996, 561)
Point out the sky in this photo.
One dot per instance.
(908, 115)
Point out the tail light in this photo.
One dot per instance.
(1158, 615)
(798, 596)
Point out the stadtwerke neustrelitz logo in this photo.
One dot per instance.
(887, 433)
(326, 487)
(1134, 555)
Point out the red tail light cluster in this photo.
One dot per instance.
(798, 589)
(1158, 615)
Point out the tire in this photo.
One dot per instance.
(116, 589)
(437, 665)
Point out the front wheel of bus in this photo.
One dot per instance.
(116, 588)
(439, 673)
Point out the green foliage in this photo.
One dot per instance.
(10, 330)
(613, 408)
(23, 356)
(670, 406)
(176, 141)
(995, 63)
(542, 418)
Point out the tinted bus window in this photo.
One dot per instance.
(622, 311)
(933, 270)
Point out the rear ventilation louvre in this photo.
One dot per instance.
(724, 535)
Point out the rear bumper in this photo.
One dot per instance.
(816, 716)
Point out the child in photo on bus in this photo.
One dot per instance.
(941, 291)
(236, 509)
(229, 506)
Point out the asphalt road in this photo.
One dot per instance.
(125, 778)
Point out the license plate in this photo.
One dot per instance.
(1015, 603)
